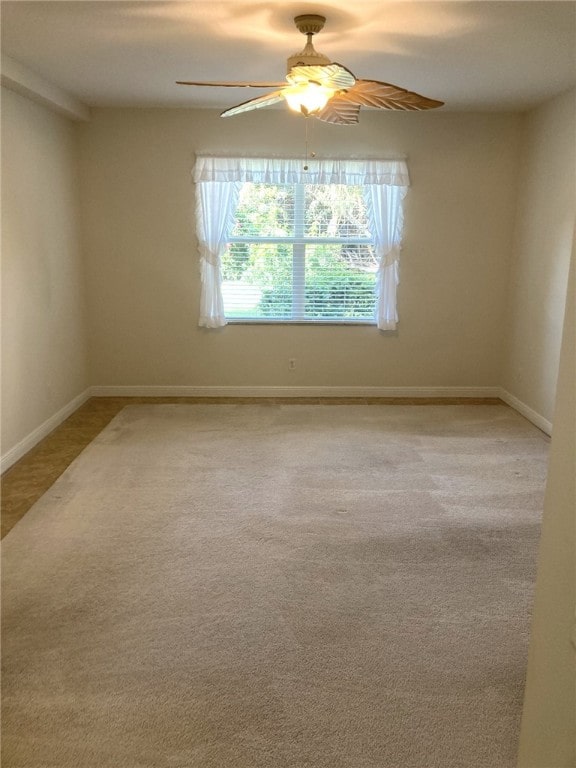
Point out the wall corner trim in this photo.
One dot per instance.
(525, 410)
(27, 443)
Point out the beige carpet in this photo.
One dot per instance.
(266, 586)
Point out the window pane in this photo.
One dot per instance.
(335, 210)
(294, 279)
(257, 281)
(340, 282)
(265, 210)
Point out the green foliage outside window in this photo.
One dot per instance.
(338, 278)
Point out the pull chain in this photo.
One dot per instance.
(312, 154)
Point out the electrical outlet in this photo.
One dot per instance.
(291, 363)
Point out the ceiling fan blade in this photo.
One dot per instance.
(373, 93)
(330, 75)
(232, 85)
(257, 103)
(339, 112)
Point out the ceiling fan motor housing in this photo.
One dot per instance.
(309, 25)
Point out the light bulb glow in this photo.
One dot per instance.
(307, 97)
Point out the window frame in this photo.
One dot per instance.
(298, 242)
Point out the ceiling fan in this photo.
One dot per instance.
(317, 87)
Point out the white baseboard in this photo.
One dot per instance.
(27, 443)
(214, 391)
(529, 413)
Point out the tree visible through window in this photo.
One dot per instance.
(300, 253)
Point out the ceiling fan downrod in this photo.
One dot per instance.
(309, 25)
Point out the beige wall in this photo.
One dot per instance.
(142, 259)
(543, 242)
(548, 734)
(545, 246)
(44, 360)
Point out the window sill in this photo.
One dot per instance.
(367, 323)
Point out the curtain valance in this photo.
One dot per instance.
(291, 171)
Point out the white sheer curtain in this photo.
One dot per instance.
(216, 203)
(218, 181)
(386, 217)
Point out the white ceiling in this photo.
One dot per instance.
(472, 55)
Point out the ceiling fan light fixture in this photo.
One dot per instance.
(328, 91)
(307, 98)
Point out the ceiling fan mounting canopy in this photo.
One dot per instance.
(310, 23)
(317, 87)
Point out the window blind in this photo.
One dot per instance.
(300, 253)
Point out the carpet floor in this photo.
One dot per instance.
(268, 586)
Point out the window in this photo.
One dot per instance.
(300, 253)
(280, 244)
